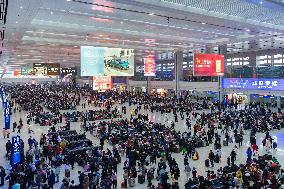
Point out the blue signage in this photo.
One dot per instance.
(253, 84)
(6, 108)
(16, 150)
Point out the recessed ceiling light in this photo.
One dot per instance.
(68, 0)
(121, 22)
(16, 22)
(203, 23)
(151, 14)
(51, 12)
(75, 46)
(21, 7)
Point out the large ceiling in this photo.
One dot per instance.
(42, 31)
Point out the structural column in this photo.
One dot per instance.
(148, 84)
(178, 71)
(222, 49)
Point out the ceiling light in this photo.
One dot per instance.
(151, 14)
(21, 7)
(68, 0)
(203, 23)
(75, 46)
(51, 12)
(16, 22)
(121, 22)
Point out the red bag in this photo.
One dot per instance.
(122, 185)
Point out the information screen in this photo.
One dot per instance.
(253, 84)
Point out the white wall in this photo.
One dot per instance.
(27, 80)
(197, 86)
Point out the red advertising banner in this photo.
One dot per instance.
(102, 83)
(208, 65)
(149, 65)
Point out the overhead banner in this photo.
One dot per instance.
(6, 109)
(253, 84)
(100, 61)
(208, 65)
(150, 65)
(102, 83)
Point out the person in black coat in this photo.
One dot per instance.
(51, 179)
(211, 158)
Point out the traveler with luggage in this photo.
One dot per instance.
(211, 158)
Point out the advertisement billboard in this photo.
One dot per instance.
(150, 65)
(92, 60)
(253, 84)
(102, 83)
(99, 61)
(208, 65)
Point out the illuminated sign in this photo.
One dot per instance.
(16, 150)
(149, 65)
(208, 65)
(6, 109)
(253, 84)
(46, 69)
(102, 83)
(100, 61)
(68, 71)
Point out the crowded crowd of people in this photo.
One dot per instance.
(145, 149)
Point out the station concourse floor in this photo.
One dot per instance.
(278, 135)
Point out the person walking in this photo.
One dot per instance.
(51, 180)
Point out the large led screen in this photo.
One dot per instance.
(98, 61)
(92, 60)
(253, 84)
(208, 65)
(149, 65)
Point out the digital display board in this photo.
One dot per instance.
(253, 84)
(102, 83)
(68, 71)
(150, 65)
(46, 69)
(208, 65)
(100, 61)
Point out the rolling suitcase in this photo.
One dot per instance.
(207, 163)
(131, 182)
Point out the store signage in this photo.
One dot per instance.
(208, 65)
(253, 84)
(149, 65)
(102, 83)
(16, 151)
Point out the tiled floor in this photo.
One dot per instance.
(155, 117)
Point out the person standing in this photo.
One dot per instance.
(2, 175)
(211, 158)
(233, 156)
(51, 179)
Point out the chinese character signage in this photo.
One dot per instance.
(149, 65)
(16, 151)
(253, 84)
(68, 72)
(102, 83)
(208, 65)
